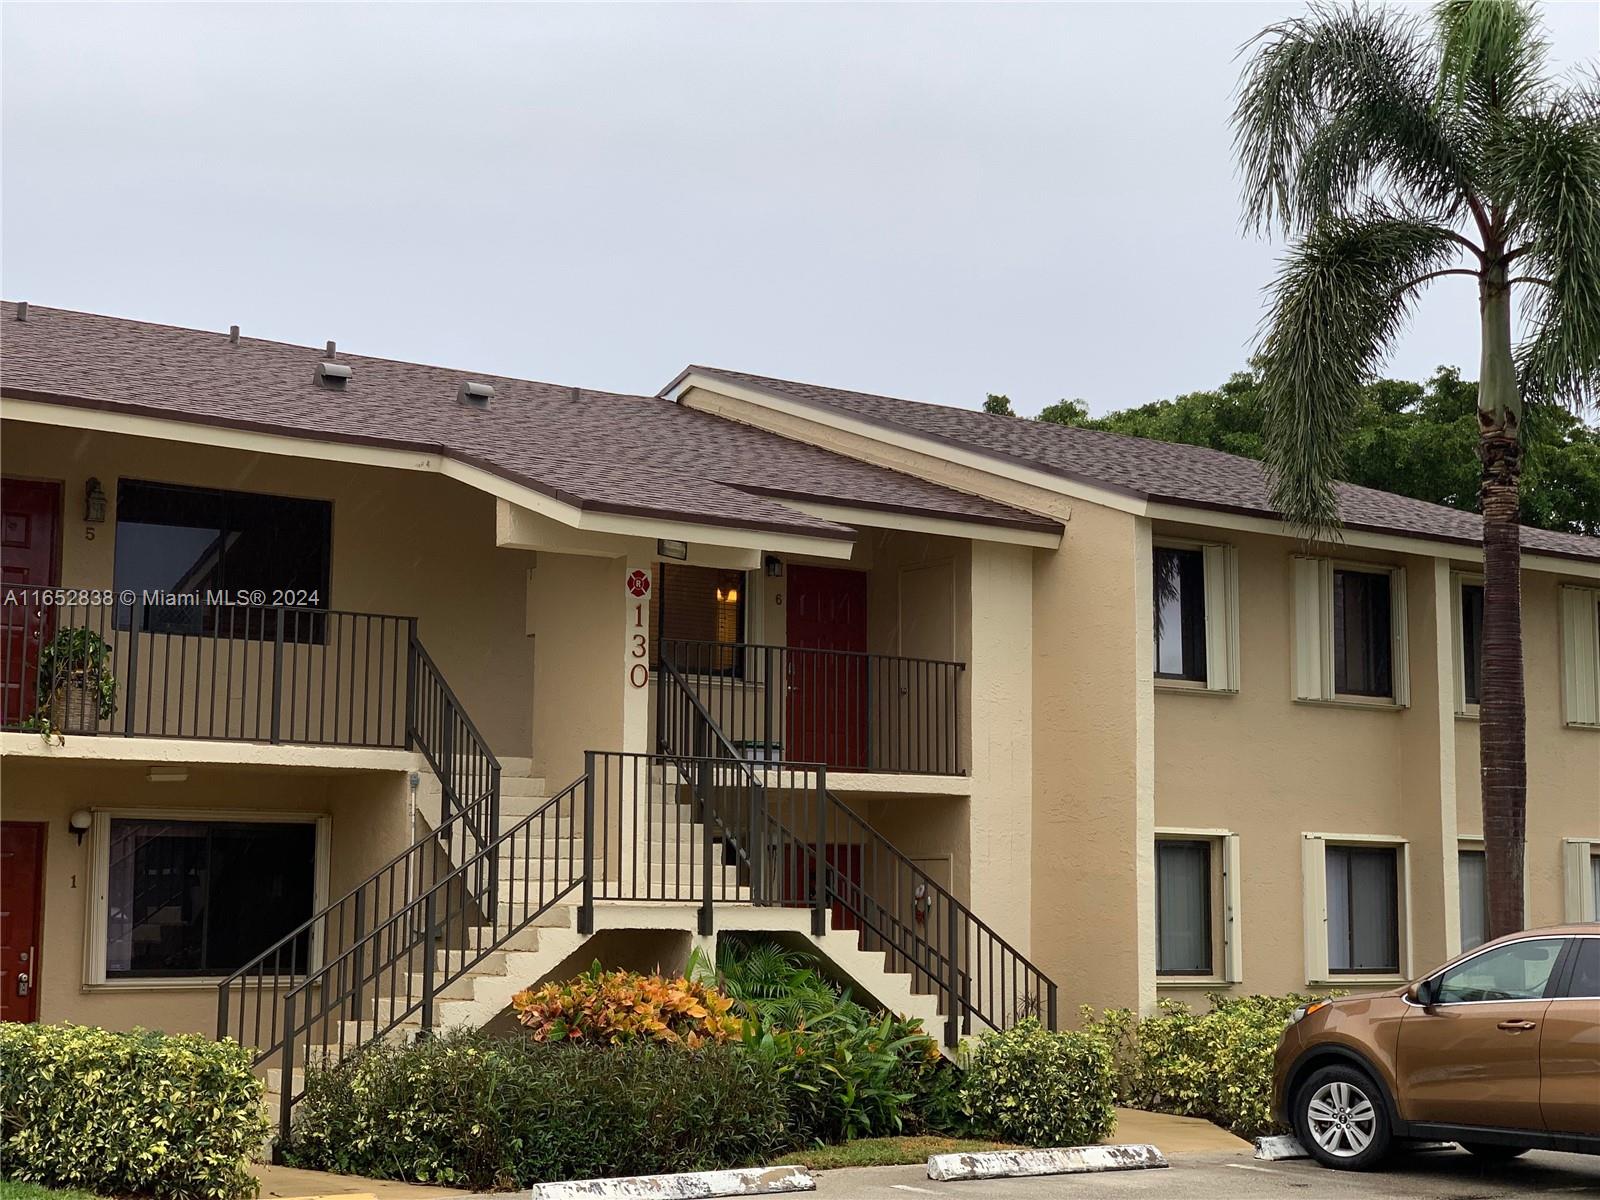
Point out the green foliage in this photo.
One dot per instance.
(1038, 1088)
(1216, 1065)
(1395, 151)
(138, 1113)
(998, 405)
(848, 1072)
(1413, 439)
(473, 1111)
(611, 1007)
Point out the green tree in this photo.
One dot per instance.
(1394, 151)
(1414, 439)
(998, 404)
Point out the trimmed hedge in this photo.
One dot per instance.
(152, 1114)
(471, 1110)
(1216, 1065)
(1039, 1088)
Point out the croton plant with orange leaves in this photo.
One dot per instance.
(609, 1007)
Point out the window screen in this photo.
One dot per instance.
(204, 897)
(1361, 634)
(1474, 900)
(1363, 910)
(1472, 640)
(702, 610)
(1180, 603)
(200, 541)
(1183, 907)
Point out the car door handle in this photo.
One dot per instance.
(1515, 1026)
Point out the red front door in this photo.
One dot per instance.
(21, 905)
(30, 557)
(827, 697)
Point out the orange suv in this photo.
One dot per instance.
(1498, 1050)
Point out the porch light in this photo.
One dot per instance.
(94, 502)
(79, 822)
(774, 566)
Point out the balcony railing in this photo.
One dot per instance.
(849, 710)
(223, 672)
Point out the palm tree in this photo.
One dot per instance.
(1394, 151)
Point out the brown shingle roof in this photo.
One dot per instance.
(596, 450)
(1192, 476)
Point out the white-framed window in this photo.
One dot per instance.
(1580, 878)
(1198, 927)
(189, 896)
(1474, 892)
(1357, 919)
(1196, 596)
(1466, 629)
(1350, 632)
(1580, 656)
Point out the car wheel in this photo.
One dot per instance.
(1490, 1152)
(1340, 1119)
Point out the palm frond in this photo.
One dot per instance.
(1332, 99)
(1342, 295)
(1547, 164)
(1492, 54)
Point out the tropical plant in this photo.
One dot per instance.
(771, 985)
(1216, 1064)
(611, 1007)
(162, 1116)
(486, 1112)
(1395, 152)
(1026, 1084)
(75, 659)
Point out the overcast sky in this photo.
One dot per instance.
(932, 202)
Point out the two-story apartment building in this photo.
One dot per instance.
(344, 695)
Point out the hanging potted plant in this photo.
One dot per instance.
(76, 687)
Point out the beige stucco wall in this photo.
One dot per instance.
(1114, 757)
(1564, 763)
(403, 543)
(368, 812)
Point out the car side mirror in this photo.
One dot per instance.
(1424, 992)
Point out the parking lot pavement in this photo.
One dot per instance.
(1444, 1175)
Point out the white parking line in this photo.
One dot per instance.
(1252, 1167)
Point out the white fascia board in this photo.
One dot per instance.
(906, 439)
(393, 458)
(1366, 540)
(977, 531)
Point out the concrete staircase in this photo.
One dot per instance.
(551, 946)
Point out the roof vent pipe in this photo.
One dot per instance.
(333, 350)
(332, 374)
(477, 395)
(575, 397)
(22, 310)
(233, 335)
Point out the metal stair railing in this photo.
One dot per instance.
(850, 868)
(249, 1001)
(398, 969)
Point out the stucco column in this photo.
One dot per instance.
(1094, 762)
(1428, 767)
(635, 580)
(1000, 717)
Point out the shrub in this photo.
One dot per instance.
(1039, 1088)
(1216, 1065)
(612, 1007)
(150, 1114)
(475, 1111)
(849, 1072)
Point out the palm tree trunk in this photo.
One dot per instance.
(1502, 711)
